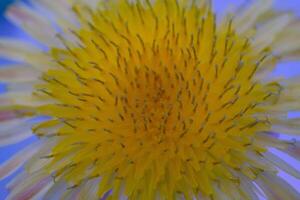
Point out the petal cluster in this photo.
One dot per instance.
(150, 100)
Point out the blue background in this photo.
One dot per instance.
(288, 69)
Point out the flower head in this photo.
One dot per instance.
(150, 100)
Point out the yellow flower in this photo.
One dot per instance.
(149, 100)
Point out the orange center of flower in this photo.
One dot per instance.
(155, 99)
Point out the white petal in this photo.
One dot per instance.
(16, 134)
(270, 140)
(33, 23)
(247, 186)
(16, 180)
(7, 115)
(293, 150)
(40, 195)
(15, 137)
(18, 73)
(62, 12)
(259, 161)
(36, 163)
(282, 164)
(15, 49)
(21, 51)
(63, 16)
(27, 86)
(22, 99)
(91, 3)
(9, 124)
(56, 191)
(219, 194)
(286, 126)
(71, 194)
(14, 163)
(248, 19)
(268, 32)
(275, 187)
(90, 189)
(287, 44)
(24, 181)
(30, 187)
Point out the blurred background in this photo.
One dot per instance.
(287, 69)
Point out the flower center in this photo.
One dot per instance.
(153, 98)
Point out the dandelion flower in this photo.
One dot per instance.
(149, 100)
